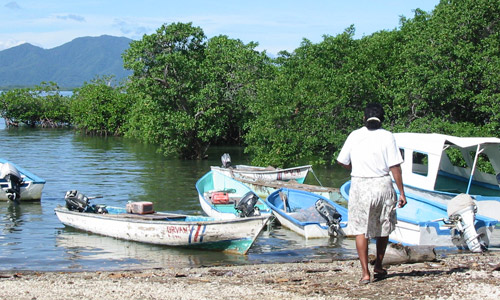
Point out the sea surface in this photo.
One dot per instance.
(121, 170)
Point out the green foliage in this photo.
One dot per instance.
(450, 65)
(230, 72)
(190, 92)
(317, 97)
(100, 108)
(438, 73)
(163, 85)
(43, 106)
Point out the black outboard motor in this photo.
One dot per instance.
(332, 217)
(9, 173)
(76, 200)
(246, 206)
(226, 160)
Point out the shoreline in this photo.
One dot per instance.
(455, 276)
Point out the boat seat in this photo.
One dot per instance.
(151, 217)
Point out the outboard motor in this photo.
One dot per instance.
(76, 201)
(9, 173)
(332, 217)
(246, 206)
(226, 160)
(462, 214)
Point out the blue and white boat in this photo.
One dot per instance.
(425, 222)
(438, 167)
(18, 184)
(308, 214)
(223, 197)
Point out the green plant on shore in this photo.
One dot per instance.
(42, 106)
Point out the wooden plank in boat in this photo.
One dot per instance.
(155, 216)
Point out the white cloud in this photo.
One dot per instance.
(72, 17)
(12, 5)
(5, 44)
(132, 29)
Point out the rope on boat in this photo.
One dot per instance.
(316, 177)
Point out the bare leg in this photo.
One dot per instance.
(362, 248)
(381, 246)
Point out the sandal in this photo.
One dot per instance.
(380, 274)
(364, 281)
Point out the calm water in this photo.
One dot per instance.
(32, 238)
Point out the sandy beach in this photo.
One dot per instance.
(455, 276)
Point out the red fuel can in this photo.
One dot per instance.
(220, 198)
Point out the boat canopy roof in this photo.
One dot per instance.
(424, 174)
(433, 143)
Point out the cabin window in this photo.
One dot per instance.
(402, 151)
(483, 163)
(420, 163)
(456, 158)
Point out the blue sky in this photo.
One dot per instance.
(275, 24)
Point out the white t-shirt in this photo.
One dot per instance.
(371, 152)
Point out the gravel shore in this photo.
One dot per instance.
(456, 276)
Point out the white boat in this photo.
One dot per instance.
(438, 167)
(308, 214)
(232, 236)
(18, 184)
(422, 222)
(223, 197)
(261, 173)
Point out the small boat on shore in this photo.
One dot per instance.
(137, 222)
(223, 197)
(308, 214)
(18, 184)
(438, 167)
(261, 173)
(422, 222)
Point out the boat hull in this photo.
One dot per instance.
(309, 231)
(486, 206)
(259, 173)
(300, 215)
(420, 223)
(433, 234)
(232, 236)
(31, 188)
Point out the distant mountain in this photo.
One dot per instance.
(68, 65)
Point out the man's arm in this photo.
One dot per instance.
(398, 177)
(347, 167)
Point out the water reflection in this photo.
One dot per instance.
(87, 251)
(13, 216)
